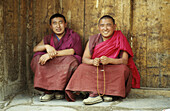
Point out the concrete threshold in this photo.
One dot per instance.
(145, 92)
(143, 99)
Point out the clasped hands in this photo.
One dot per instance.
(103, 60)
(51, 53)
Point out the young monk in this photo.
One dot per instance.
(108, 69)
(56, 58)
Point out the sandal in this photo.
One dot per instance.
(59, 95)
(92, 100)
(46, 97)
(107, 98)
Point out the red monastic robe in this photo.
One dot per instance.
(56, 73)
(119, 78)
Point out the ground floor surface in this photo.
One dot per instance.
(138, 100)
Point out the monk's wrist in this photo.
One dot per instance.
(92, 61)
(46, 46)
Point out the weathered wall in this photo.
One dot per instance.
(94, 9)
(142, 22)
(13, 50)
(1, 51)
(73, 10)
(37, 26)
(145, 23)
(151, 39)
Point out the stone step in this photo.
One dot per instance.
(145, 92)
(144, 99)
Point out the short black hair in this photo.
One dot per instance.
(57, 15)
(107, 16)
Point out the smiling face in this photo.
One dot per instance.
(106, 28)
(58, 26)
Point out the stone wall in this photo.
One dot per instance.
(37, 26)
(145, 23)
(151, 39)
(13, 43)
(1, 51)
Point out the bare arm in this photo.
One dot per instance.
(87, 57)
(104, 60)
(123, 60)
(39, 47)
(65, 52)
(45, 47)
(42, 47)
(51, 50)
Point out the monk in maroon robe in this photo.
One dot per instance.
(56, 58)
(108, 69)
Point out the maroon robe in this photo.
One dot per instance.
(118, 78)
(56, 73)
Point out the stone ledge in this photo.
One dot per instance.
(145, 92)
(3, 104)
(143, 96)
